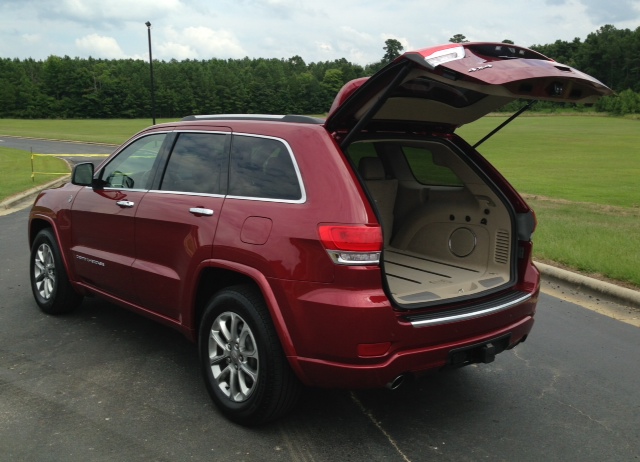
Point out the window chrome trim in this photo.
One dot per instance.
(130, 141)
(111, 188)
(267, 199)
(187, 193)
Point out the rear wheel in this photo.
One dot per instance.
(244, 367)
(49, 282)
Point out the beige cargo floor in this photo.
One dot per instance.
(415, 278)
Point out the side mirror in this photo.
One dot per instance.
(82, 174)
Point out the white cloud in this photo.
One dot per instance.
(214, 43)
(324, 47)
(100, 46)
(334, 29)
(31, 38)
(173, 50)
(112, 11)
(198, 42)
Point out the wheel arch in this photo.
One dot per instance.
(39, 222)
(217, 275)
(36, 225)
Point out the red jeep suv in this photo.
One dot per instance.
(347, 252)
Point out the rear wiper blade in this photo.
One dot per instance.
(506, 122)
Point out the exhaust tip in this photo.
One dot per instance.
(396, 383)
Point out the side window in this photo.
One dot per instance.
(262, 168)
(131, 168)
(196, 164)
(426, 170)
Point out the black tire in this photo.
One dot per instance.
(245, 370)
(49, 282)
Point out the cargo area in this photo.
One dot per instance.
(447, 233)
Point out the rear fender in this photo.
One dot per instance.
(272, 304)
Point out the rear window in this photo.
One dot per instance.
(262, 168)
(420, 160)
(425, 169)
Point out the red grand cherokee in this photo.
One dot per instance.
(350, 252)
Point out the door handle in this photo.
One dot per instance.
(125, 204)
(201, 211)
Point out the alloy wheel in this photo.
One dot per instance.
(233, 356)
(44, 271)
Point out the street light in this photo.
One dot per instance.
(153, 91)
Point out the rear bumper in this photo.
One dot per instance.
(415, 361)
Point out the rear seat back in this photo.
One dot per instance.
(382, 190)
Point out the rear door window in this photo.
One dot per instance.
(262, 168)
(196, 164)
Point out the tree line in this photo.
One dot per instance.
(64, 87)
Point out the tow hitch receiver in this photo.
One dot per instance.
(479, 353)
(488, 353)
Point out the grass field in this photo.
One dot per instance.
(583, 159)
(110, 131)
(580, 173)
(16, 172)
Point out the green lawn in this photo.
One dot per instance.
(580, 173)
(584, 159)
(16, 171)
(591, 238)
(110, 131)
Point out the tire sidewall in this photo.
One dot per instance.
(45, 237)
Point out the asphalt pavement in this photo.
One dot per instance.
(105, 384)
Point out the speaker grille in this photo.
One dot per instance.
(502, 247)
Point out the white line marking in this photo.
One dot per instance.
(369, 414)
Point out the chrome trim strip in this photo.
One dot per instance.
(266, 199)
(471, 315)
(186, 193)
(112, 188)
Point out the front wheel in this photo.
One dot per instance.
(49, 282)
(245, 370)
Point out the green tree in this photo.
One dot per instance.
(332, 83)
(458, 38)
(392, 49)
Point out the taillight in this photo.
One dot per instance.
(352, 244)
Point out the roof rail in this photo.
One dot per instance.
(292, 118)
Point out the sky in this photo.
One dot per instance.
(319, 30)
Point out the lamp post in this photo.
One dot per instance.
(153, 91)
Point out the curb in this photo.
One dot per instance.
(620, 294)
(30, 195)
